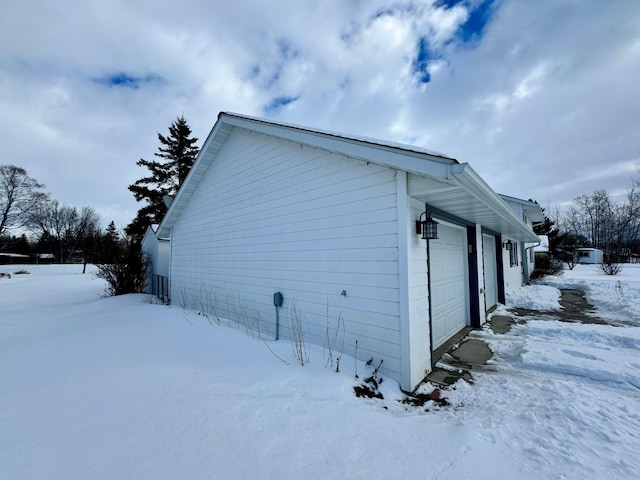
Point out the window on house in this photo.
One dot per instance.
(583, 254)
(513, 255)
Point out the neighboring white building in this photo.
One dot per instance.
(588, 255)
(329, 222)
(157, 250)
(519, 257)
(544, 245)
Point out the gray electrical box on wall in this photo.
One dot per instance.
(277, 299)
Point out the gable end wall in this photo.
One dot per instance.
(275, 216)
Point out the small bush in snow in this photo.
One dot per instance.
(611, 268)
(369, 387)
(553, 268)
(22, 272)
(127, 273)
(572, 262)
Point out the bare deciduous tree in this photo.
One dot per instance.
(20, 195)
(607, 225)
(64, 227)
(597, 214)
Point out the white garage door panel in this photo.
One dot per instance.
(448, 283)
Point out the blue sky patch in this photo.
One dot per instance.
(122, 79)
(277, 103)
(480, 12)
(421, 62)
(477, 21)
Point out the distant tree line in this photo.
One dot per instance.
(595, 220)
(65, 230)
(32, 223)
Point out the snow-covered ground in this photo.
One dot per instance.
(616, 297)
(96, 388)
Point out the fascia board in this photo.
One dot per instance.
(533, 210)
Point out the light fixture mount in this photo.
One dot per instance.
(428, 227)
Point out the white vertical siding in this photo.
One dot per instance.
(414, 307)
(272, 215)
(490, 271)
(482, 301)
(420, 343)
(512, 275)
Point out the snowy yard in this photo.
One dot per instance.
(106, 388)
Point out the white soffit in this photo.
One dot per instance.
(468, 197)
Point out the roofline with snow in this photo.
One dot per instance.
(401, 157)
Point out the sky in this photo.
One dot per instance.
(540, 98)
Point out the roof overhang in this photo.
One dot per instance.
(469, 198)
(433, 178)
(530, 208)
(406, 158)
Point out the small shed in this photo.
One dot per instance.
(12, 258)
(588, 255)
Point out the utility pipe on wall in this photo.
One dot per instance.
(277, 302)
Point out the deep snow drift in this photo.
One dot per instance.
(123, 388)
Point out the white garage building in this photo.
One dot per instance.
(329, 222)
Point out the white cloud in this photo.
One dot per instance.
(548, 90)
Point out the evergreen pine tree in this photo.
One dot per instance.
(110, 244)
(550, 229)
(111, 232)
(176, 155)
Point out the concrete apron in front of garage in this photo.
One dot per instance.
(459, 356)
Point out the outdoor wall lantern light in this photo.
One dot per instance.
(508, 245)
(427, 227)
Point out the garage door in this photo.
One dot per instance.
(449, 288)
(490, 271)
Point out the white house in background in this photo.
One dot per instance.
(519, 259)
(325, 225)
(588, 255)
(544, 245)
